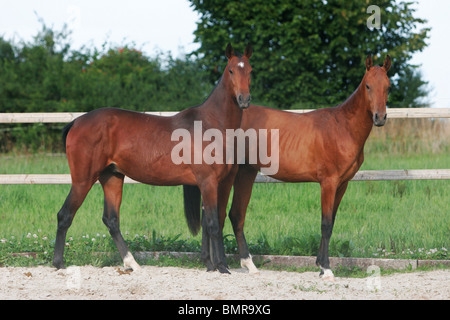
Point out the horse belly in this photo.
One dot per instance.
(147, 159)
(297, 173)
(155, 174)
(297, 161)
(153, 168)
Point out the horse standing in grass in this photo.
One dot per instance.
(324, 146)
(109, 144)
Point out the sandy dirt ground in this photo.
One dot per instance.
(177, 283)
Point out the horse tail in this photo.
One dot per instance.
(192, 204)
(65, 132)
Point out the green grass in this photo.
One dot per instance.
(394, 219)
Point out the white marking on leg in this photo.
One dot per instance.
(248, 263)
(327, 275)
(241, 64)
(130, 263)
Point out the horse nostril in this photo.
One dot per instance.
(379, 120)
(243, 100)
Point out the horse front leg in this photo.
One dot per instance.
(213, 251)
(328, 195)
(243, 185)
(331, 195)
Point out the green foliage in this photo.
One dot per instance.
(47, 76)
(306, 54)
(411, 91)
(309, 53)
(391, 219)
(125, 78)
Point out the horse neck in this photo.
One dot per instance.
(221, 106)
(355, 110)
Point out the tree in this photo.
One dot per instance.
(46, 75)
(410, 91)
(306, 52)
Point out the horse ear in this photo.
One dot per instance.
(387, 63)
(229, 51)
(248, 51)
(369, 62)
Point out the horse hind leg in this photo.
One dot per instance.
(112, 183)
(65, 216)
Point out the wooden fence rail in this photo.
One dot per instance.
(63, 117)
(372, 175)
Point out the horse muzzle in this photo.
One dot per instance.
(243, 101)
(379, 119)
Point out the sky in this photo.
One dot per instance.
(161, 26)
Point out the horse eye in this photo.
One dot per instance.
(231, 71)
(367, 86)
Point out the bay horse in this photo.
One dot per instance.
(108, 144)
(324, 146)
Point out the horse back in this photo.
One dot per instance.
(135, 144)
(312, 145)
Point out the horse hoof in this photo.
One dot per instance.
(129, 263)
(209, 266)
(223, 269)
(329, 278)
(248, 263)
(59, 265)
(327, 275)
(134, 268)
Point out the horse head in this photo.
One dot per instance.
(238, 75)
(376, 85)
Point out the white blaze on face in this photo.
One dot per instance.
(241, 64)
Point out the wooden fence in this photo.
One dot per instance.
(372, 175)
(63, 117)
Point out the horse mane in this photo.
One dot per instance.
(210, 94)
